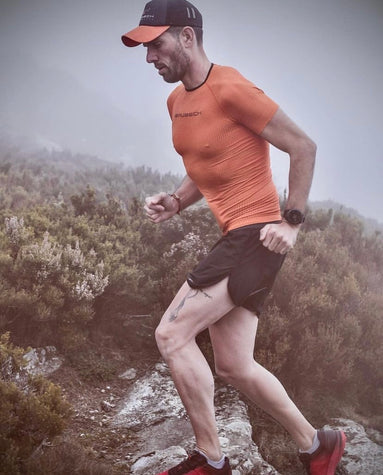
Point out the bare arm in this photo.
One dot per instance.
(284, 134)
(162, 206)
(188, 192)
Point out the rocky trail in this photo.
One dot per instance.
(136, 424)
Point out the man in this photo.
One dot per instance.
(222, 127)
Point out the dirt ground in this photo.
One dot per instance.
(93, 409)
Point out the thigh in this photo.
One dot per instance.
(194, 310)
(233, 338)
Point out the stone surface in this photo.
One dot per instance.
(364, 452)
(161, 458)
(106, 406)
(150, 400)
(42, 361)
(129, 374)
(154, 410)
(39, 361)
(235, 432)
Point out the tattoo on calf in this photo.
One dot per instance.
(191, 294)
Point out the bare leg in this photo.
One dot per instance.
(191, 312)
(237, 331)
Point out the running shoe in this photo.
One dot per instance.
(326, 458)
(196, 464)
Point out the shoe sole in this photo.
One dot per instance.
(337, 453)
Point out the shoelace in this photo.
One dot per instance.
(193, 461)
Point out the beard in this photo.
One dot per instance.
(178, 65)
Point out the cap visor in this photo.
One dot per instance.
(143, 34)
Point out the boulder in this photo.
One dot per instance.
(42, 361)
(39, 361)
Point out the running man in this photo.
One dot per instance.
(222, 126)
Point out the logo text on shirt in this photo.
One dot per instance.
(188, 114)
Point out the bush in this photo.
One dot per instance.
(91, 365)
(63, 458)
(47, 289)
(11, 357)
(28, 415)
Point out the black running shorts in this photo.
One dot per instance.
(251, 267)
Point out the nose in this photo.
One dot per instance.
(151, 56)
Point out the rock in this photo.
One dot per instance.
(129, 374)
(42, 361)
(375, 436)
(154, 411)
(162, 368)
(150, 400)
(39, 361)
(151, 463)
(362, 456)
(107, 406)
(235, 432)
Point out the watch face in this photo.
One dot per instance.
(294, 216)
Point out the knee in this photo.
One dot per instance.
(162, 339)
(226, 372)
(234, 372)
(167, 342)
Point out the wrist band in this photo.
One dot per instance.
(178, 199)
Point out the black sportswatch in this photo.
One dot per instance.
(294, 216)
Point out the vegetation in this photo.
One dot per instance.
(30, 411)
(78, 260)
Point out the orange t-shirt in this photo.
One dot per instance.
(216, 130)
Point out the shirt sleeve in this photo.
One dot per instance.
(245, 103)
(171, 99)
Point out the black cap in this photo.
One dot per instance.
(158, 16)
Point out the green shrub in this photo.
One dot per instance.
(63, 458)
(11, 357)
(92, 366)
(28, 414)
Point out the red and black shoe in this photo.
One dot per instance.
(326, 458)
(196, 464)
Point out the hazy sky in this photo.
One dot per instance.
(321, 60)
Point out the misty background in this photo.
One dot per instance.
(68, 82)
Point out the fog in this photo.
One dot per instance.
(67, 81)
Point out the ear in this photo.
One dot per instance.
(188, 36)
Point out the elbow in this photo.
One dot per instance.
(303, 153)
(310, 147)
(313, 152)
(308, 150)
(313, 148)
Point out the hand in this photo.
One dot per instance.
(160, 207)
(279, 237)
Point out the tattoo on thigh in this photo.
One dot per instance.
(191, 294)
